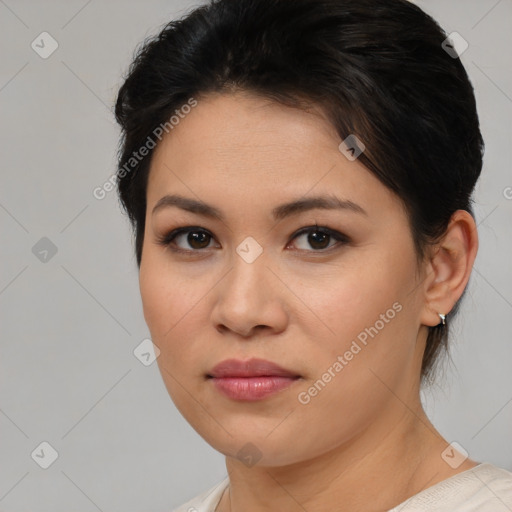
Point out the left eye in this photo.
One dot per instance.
(198, 239)
(319, 238)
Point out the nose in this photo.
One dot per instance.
(250, 299)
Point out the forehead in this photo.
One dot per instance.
(241, 148)
(240, 130)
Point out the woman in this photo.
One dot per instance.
(299, 178)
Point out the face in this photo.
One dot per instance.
(329, 292)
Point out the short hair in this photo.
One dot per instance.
(377, 69)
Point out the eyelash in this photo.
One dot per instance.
(167, 239)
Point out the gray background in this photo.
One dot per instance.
(69, 325)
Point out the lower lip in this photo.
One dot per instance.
(252, 388)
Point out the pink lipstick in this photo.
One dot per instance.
(250, 380)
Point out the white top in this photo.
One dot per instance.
(484, 488)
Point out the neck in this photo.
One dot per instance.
(390, 461)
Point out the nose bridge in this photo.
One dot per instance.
(249, 273)
(246, 297)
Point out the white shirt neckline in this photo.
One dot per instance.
(469, 487)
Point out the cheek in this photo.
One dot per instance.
(174, 311)
(171, 312)
(164, 292)
(367, 315)
(156, 302)
(351, 297)
(353, 372)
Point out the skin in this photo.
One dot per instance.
(364, 441)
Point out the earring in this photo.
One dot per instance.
(443, 318)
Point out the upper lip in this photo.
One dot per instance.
(251, 368)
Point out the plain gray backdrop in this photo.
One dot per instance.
(71, 313)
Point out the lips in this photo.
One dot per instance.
(252, 380)
(231, 368)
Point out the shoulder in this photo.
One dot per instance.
(206, 501)
(484, 488)
(496, 487)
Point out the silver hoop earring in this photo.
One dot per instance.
(443, 318)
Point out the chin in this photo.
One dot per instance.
(255, 448)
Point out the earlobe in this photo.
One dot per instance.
(450, 267)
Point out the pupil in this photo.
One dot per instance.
(316, 234)
(198, 237)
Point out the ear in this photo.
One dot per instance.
(449, 267)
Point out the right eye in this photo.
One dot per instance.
(197, 239)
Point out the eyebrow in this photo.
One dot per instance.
(326, 202)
